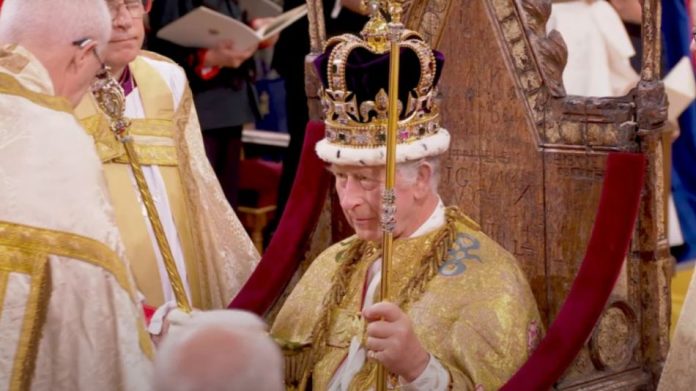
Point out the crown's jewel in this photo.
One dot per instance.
(355, 77)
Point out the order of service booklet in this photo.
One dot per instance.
(205, 28)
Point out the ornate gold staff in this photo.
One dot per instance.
(395, 29)
(112, 101)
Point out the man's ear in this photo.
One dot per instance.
(82, 56)
(423, 180)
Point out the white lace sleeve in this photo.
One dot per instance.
(434, 378)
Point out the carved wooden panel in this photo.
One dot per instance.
(493, 145)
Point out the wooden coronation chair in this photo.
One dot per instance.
(528, 163)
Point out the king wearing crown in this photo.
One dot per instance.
(461, 314)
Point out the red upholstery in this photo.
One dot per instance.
(287, 248)
(606, 251)
(262, 177)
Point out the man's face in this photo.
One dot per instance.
(360, 193)
(128, 32)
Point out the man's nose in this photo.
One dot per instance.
(123, 18)
(351, 194)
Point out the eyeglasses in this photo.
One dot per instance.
(83, 43)
(136, 8)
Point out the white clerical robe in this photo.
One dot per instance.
(599, 49)
(69, 315)
(135, 110)
(212, 251)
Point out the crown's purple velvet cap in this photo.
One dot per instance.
(367, 73)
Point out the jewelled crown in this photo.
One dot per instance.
(355, 79)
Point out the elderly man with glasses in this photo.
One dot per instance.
(69, 314)
(212, 252)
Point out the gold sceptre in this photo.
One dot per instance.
(112, 101)
(394, 31)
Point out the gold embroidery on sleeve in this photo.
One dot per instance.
(4, 277)
(43, 241)
(36, 266)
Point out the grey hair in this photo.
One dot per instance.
(55, 23)
(243, 356)
(408, 171)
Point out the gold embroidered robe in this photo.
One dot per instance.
(218, 255)
(477, 316)
(69, 315)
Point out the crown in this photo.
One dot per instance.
(355, 77)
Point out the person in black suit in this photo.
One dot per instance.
(222, 83)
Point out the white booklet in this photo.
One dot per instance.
(205, 28)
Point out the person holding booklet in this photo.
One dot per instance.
(221, 80)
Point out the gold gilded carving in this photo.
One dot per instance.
(428, 17)
(615, 338)
(317, 27)
(550, 50)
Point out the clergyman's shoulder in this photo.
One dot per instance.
(156, 56)
(167, 67)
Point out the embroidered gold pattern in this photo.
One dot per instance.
(4, 278)
(181, 120)
(491, 314)
(45, 241)
(411, 292)
(34, 264)
(110, 150)
(11, 86)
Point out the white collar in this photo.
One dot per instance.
(435, 221)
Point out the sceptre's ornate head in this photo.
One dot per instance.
(355, 79)
(112, 101)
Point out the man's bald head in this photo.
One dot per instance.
(66, 36)
(219, 351)
(53, 23)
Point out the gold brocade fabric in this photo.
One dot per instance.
(218, 254)
(70, 318)
(15, 63)
(477, 315)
